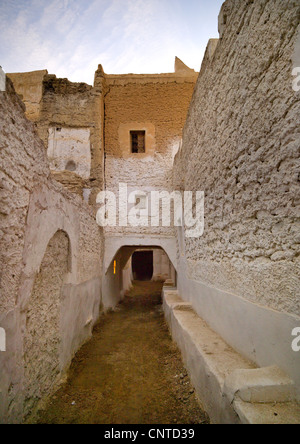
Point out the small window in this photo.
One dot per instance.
(71, 165)
(138, 144)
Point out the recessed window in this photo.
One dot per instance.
(71, 165)
(138, 144)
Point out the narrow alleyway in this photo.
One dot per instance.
(130, 372)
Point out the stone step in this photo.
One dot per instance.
(264, 385)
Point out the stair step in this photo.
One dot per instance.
(267, 384)
(281, 413)
(223, 379)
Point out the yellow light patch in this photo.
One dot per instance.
(115, 267)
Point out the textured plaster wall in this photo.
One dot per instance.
(2, 80)
(161, 265)
(70, 149)
(241, 146)
(40, 278)
(72, 107)
(29, 86)
(158, 104)
(160, 100)
(22, 164)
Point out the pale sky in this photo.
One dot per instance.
(70, 38)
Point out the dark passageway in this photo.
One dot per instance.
(142, 265)
(130, 372)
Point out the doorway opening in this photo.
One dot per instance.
(142, 265)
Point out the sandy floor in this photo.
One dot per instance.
(130, 372)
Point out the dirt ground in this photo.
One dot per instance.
(130, 372)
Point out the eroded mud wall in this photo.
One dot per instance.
(69, 120)
(50, 272)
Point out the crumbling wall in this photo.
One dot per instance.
(241, 146)
(33, 209)
(69, 149)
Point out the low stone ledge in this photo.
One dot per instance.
(218, 372)
(264, 385)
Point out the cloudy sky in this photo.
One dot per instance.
(70, 38)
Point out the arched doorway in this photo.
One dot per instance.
(128, 265)
(42, 338)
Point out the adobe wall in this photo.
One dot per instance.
(156, 104)
(241, 146)
(69, 119)
(161, 99)
(41, 226)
